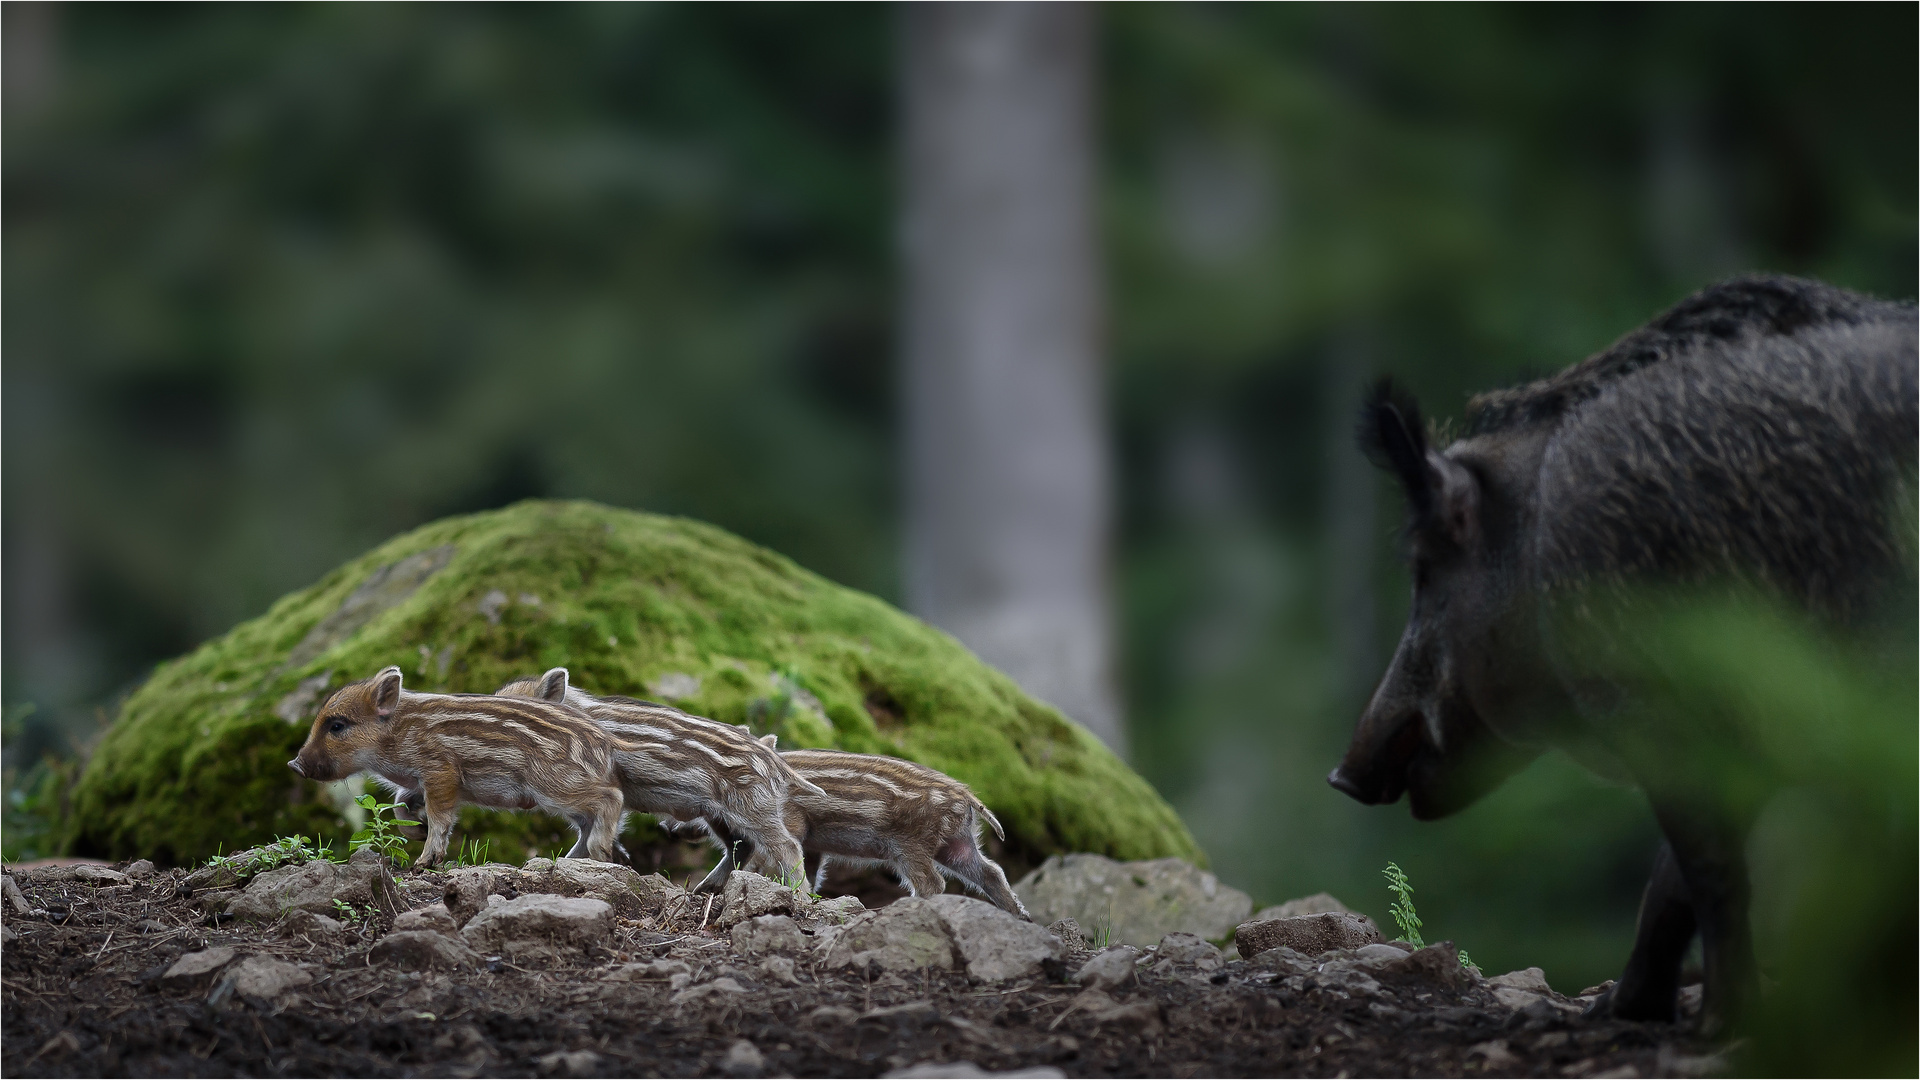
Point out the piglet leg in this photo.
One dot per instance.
(922, 875)
(729, 842)
(441, 789)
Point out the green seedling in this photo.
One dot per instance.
(1404, 915)
(474, 853)
(1402, 909)
(353, 916)
(382, 834)
(282, 851)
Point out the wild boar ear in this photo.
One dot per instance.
(769, 740)
(1456, 498)
(1393, 437)
(386, 692)
(553, 685)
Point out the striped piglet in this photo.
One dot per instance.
(679, 766)
(864, 808)
(443, 750)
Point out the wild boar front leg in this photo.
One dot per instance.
(1648, 986)
(1709, 849)
(441, 790)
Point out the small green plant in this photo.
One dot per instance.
(1102, 935)
(282, 851)
(351, 915)
(382, 834)
(1402, 909)
(1404, 915)
(474, 853)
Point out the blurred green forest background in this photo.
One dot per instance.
(281, 282)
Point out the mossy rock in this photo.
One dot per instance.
(638, 604)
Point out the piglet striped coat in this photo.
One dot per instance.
(864, 808)
(450, 749)
(680, 766)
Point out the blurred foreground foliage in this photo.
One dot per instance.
(1817, 734)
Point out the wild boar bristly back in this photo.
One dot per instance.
(1760, 431)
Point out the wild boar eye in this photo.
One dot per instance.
(336, 727)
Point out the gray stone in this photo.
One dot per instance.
(16, 899)
(423, 950)
(1495, 1053)
(779, 969)
(906, 935)
(768, 934)
(626, 890)
(1145, 1017)
(994, 945)
(1284, 959)
(1137, 903)
(1308, 934)
(434, 918)
(362, 881)
(310, 925)
(1110, 969)
(468, 887)
(1532, 980)
(265, 977)
(213, 901)
(831, 1016)
(218, 876)
(139, 869)
(88, 874)
(967, 1070)
(198, 966)
(835, 912)
(540, 926)
(1317, 904)
(1380, 954)
(568, 1063)
(748, 895)
(743, 1059)
(720, 987)
(1438, 963)
(649, 971)
(1187, 949)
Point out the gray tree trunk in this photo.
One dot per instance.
(1007, 470)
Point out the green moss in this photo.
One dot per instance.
(633, 604)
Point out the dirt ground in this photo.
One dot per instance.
(83, 997)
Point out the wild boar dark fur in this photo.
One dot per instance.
(1760, 434)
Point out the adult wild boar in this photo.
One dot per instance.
(1761, 433)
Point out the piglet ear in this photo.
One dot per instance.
(769, 740)
(386, 692)
(553, 685)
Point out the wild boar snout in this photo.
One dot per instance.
(295, 766)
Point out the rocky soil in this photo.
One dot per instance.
(577, 968)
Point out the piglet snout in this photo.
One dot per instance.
(295, 766)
